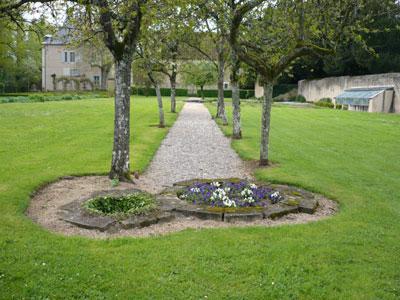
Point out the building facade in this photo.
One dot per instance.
(69, 68)
(65, 67)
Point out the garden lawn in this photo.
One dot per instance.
(351, 157)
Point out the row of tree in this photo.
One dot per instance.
(270, 37)
(20, 56)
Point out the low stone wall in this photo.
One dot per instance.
(330, 87)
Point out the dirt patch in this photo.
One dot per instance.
(46, 203)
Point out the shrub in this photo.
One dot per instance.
(43, 97)
(131, 204)
(300, 98)
(243, 94)
(325, 102)
(247, 94)
(209, 93)
(165, 92)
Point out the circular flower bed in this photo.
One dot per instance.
(229, 194)
(130, 204)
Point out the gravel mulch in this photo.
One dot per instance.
(47, 202)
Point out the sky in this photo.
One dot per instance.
(38, 10)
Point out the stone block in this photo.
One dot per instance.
(308, 205)
(277, 211)
(244, 217)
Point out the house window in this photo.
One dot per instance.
(66, 72)
(65, 56)
(96, 80)
(75, 72)
(72, 57)
(226, 85)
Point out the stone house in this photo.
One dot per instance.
(65, 67)
(68, 68)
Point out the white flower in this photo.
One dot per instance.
(195, 190)
(227, 189)
(249, 199)
(215, 183)
(253, 186)
(247, 195)
(275, 197)
(220, 192)
(228, 202)
(246, 192)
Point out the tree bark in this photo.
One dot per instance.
(160, 106)
(105, 71)
(237, 131)
(265, 122)
(221, 72)
(202, 92)
(174, 72)
(156, 85)
(173, 89)
(120, 165)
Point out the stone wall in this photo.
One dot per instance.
(330, 87)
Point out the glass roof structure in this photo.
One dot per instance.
(359, 96)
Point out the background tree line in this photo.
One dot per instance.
(382, 55)
(20, 55)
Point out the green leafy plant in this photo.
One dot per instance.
(300, 98)
(325, 102)
(130, 204)
(115, 182)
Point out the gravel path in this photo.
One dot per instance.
(194, 148)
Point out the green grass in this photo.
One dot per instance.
(351, 157)
(355, 159)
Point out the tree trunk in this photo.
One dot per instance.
(120, 168)
(104, 77)
(173, 90)
(174, 51)
(202, 92)
(160, 106)
(237, 131)
(156, 85)
(265, 122)
(221, 72)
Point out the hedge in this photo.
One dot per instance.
(47, 97)
(244, 94)
(166, 92)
